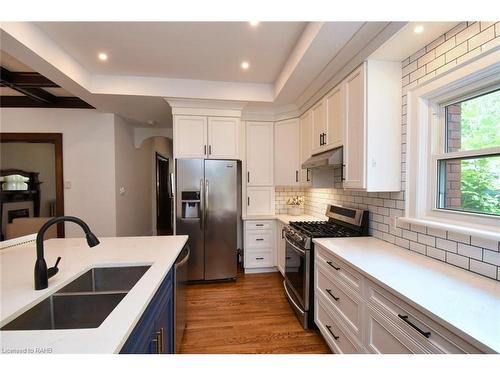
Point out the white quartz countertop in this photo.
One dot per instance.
(18, 294)
(465, 303)
(285, 219)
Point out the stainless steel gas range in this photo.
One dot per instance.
(299, 261)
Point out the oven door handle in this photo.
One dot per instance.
(299, 250)
(302, 312)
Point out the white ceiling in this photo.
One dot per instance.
(291, 63)
(190, 50)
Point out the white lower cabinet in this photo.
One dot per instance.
(260, 200)
(357, 315)
(280, 247)
(260, 244)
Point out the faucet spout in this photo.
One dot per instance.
(42, 274)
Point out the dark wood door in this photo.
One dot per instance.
(164, 197)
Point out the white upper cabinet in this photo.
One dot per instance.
(190, 136)
(305, 146)
(223, 137)
(206, 137)
(319, 127)
(354, 152)
(372, 147)
(287, 153)
(260, 160)
(334, 115)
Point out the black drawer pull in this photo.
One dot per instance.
(259, 225)
(331, 265)
(288, 257)
(329, 291)
(333, 334)
(259, 258)
(406, 320)
(259, 239)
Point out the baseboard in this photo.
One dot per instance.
(261, 270)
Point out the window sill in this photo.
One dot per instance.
(482, 231)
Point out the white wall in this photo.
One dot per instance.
(33, 157)
(133, 173)
(88, 159)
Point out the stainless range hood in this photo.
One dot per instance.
(325, 160)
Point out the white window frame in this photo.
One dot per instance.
(425, 137)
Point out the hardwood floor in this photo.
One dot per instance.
(251, 315)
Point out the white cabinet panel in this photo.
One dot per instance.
(280, 248)
(305, 146)
(260, 144)
(335, 114)
(319, 126)
(260, 200)
(355, 130)
(190, 136)
(286, 153)
(223, 137)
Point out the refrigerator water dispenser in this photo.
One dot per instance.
(190, 204)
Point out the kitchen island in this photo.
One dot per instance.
(18, 294)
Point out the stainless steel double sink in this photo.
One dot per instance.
(84, 303)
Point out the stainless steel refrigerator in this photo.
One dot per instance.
(208, 210)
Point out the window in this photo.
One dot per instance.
(469, 167)
(453, 150)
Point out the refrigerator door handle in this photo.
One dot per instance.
(202, 213)
(206, 202)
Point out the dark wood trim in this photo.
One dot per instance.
(27, 79)
(8, 101)
(31, 85)
(56, 140)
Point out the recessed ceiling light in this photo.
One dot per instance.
(245, 65)
(418, 29)
(254, 23)
(102, 56)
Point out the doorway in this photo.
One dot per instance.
(164, 197)
(37, 160)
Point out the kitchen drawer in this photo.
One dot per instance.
(337, 339)
(339, 269)
(257, 259)
(383, 337)
(346, 304)
(439, 340)
(259, 224)
(259, 239)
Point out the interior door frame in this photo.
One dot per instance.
(56, 140)
(157, 157)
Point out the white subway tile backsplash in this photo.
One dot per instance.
(459, 237)
(485, 243)
(481, 38)
(457, 260)
(456, 52)
(419, 248)
(483, 268)
(446, 245)
(468, 33)
(455, 30)
(418, 228)
(436, 253)
(491, 257)
(427, 240)
(410, 235)
(470, 251)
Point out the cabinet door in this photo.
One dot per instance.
(305, 146)
(223, 137)
(355, 130)
(334, 115)
(319, 126)
(281, 248)
(260, 145)
(260, 200)
(286, 153)
(190, 136)
(384, 338)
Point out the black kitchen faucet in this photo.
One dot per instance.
(42, 274)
